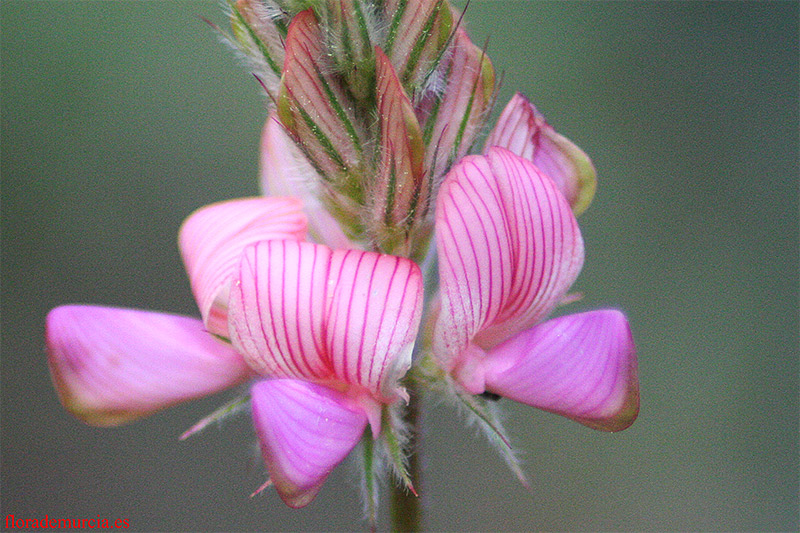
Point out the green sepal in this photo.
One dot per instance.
(348, 30)
(484, 413)
(370, 478)
(243, 30)
(393, 440)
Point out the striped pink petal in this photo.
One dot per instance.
(524, 131)
(285, 171)
(582, 366)
(305, 430)
(509, 249)
(346, 318)
(213, 237)
(111, 366)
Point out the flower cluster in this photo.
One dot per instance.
(382, 258)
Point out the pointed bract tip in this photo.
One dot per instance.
(259, 490)
(214, 26)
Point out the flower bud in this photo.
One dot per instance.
(400, 195)
(454, 118)
(418, 35)
(316, 110)
(523, 130)
(259, 34)
(350, 27)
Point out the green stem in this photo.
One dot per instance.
(406, 507)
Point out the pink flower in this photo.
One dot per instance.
(375, 173)
(373, 112)
(509, 249)
(327, 333)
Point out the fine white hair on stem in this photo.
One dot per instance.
(489, 423)
(436, 82)
(380, 25)
(369, 492)
(402, 435)
(376, 23)
(270, 9)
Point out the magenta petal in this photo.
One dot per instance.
(112, 366)
(582, 366)
(213, 237)
(509, 249)
(345, 317)
(305, 430)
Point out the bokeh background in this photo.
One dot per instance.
(120, 118)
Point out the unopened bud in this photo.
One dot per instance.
(316, 110)
(259, 33)
(523, 130)
(418, 35)
(350, 26)
(456, 116)
(400, 195)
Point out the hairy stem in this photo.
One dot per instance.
(406, 507)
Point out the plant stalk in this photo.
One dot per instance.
(407, 507)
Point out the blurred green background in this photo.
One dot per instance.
(120, 118)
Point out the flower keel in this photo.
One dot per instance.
(523, 130)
